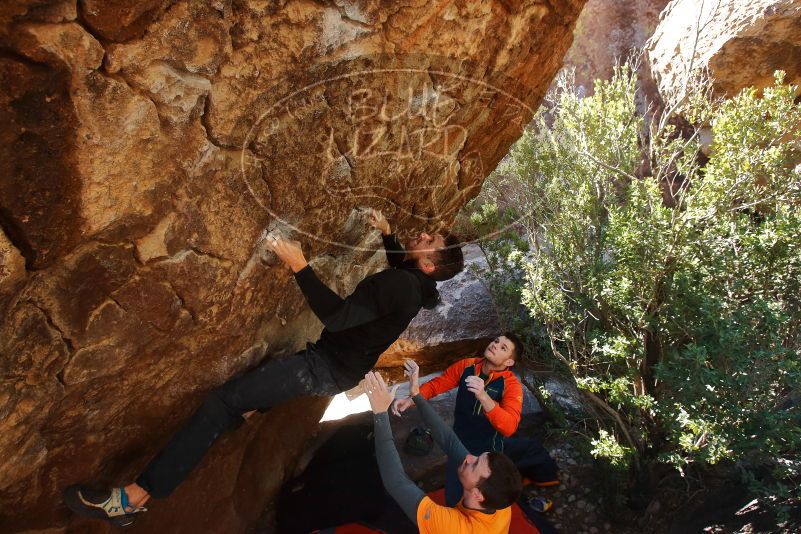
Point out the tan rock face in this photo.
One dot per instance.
(740, 43)
(12, 264)
(145, 147)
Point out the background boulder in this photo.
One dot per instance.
(741, 44)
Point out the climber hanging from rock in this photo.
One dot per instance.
(357, 330)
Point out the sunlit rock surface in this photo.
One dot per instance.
(144, 148)
(740, 43)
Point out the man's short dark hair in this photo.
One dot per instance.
(504, 484)
(449, 260)
(517, 342)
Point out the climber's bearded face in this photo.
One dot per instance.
(424, 246)
(424, 250)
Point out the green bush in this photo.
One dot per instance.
(667, 282)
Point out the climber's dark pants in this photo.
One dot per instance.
(272, 383)
(532, 460)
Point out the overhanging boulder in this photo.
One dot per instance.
(147, 146)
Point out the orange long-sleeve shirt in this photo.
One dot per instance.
(505, 416)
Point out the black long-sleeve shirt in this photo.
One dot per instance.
(361, 326)
(395, 252)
